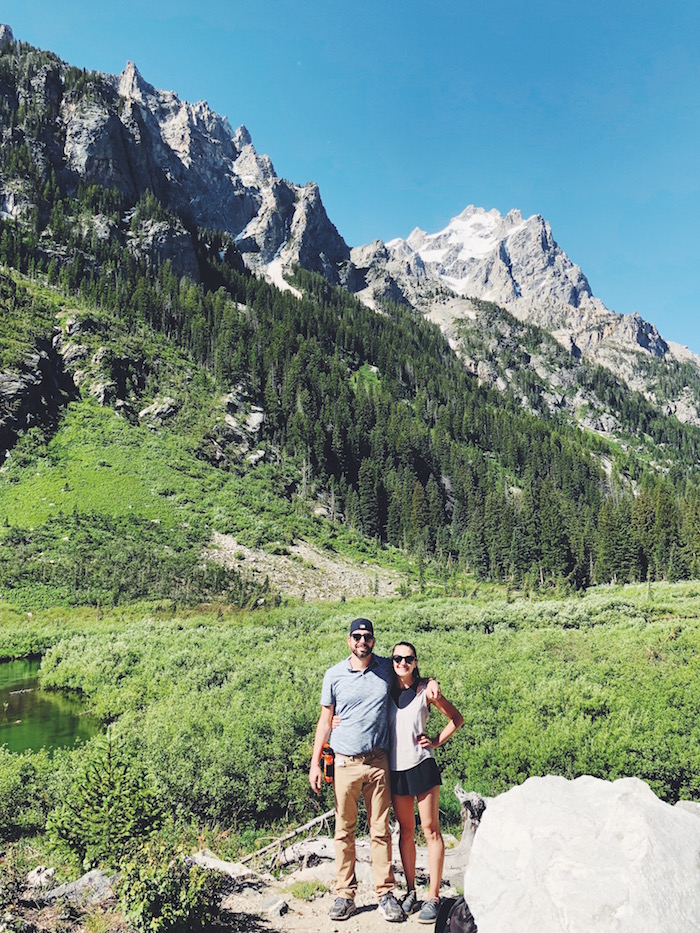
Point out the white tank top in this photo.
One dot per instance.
(405, 725)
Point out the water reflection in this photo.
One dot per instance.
(31, 718)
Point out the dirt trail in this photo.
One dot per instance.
(255, 906)
(302, 916)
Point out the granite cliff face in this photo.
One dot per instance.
(135, 138)
(32, 393)
(120, 132)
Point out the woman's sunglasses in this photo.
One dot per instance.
(406, 658)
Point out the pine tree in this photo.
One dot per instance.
(109, 807)
(367, 491)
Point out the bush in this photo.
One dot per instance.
(12, 879)
(109, 805)
(23, 792)
(162, 892)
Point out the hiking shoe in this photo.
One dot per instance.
(429, 911)
(410, 903)
(342, 908)
(390, 909)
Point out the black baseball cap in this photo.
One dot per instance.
(362, 625)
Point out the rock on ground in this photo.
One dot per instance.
(585, 856)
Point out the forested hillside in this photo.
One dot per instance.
(372, 412)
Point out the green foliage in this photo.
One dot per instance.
(109, 806)
(307, 890)
(112, 562)
(161, 892)
(12, 880)
(220, 708)
(24, 792)
(104, 513)
(25, 320)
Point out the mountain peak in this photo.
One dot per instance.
(512, 261)
(132, 84)
(515, 216)
(6, 36)
(242, 137)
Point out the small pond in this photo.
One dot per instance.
(32, 718)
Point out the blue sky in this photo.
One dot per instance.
(405, 113)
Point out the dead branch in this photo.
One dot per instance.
(290, 835)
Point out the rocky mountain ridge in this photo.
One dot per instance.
(515, 264)
(120, 132)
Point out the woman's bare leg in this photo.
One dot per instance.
(404, 811)
(429, 812)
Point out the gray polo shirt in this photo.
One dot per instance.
(360, 698)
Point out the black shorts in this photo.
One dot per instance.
(416, 780)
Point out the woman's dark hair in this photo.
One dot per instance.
(416, 675)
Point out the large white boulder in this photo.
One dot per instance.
(585, 856)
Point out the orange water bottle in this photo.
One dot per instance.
(327, 763)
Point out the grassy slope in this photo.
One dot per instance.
(101, 486)
(148, 486)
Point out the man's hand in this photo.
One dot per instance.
(315, 777)
(432, 690)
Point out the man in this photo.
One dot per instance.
(357, 691)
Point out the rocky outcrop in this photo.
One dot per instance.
(558, 856)
(32, 393)
(159, 411)
(91, 889)
(6, 37)
(134, 137)
(160, 241)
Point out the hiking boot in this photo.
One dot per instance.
(429, 911)
(342, 908)
(410, 903)
(390, 909)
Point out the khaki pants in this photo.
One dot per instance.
(366, 775)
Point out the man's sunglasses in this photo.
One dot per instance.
(362, 636)
(407, 658)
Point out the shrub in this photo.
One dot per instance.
(23, 790)
(109, 805)
(12, 878)
(162, 892)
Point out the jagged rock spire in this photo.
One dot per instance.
(133, 85)
(6, 36)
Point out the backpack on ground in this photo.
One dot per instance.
(454, 916)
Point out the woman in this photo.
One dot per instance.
(415, 775)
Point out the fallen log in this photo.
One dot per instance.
(290, 835)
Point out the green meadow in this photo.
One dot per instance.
(215, 710)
